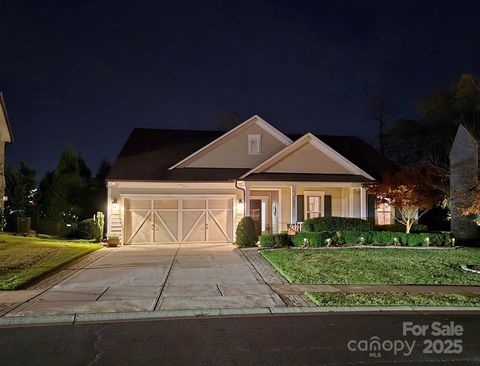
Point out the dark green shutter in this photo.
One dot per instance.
(328, 205)
(371, 209)
(300, 208)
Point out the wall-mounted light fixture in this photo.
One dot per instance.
(115, 205)
(240, 205)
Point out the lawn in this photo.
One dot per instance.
(393, 299)
(23, 259)
(376, 266)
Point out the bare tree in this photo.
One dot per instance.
(382, 115)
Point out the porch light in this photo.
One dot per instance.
(240, 205)
(115, 205)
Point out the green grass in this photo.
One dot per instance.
(393, 299)
(376, 266)
(23, 259)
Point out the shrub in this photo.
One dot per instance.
(274, 240)
(351, 237)
(336, 224)
(416, 228)
(99, 220)
(314, 239)
(86, 229)
(396, 238)
(246, 232)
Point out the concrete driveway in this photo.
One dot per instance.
(147, 278)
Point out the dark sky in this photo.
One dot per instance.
(87, 72)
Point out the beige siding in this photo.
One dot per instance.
(307, 159)
(233, 153)
(2, 173)
(336, 193)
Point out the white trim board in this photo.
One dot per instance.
(254, 119)
(176, 196)
(172, 184)
(317, 143)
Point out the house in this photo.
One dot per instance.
(5, 137)
(194, 186)
(463, 178)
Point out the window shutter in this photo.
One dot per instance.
(300, 208)
(371, 211)
(328, 205)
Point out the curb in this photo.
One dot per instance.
(71, 319)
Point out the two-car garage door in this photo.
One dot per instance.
(173, 220)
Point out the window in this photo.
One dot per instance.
(314, 204)
(254, 144)
(384, 214)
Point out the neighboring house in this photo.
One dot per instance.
(463, 178)
(5, 137)
(195, 186)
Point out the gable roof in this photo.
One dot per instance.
(149, 153)
(5, 127)
(225, 136)
(320, 146)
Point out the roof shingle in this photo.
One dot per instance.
(148, 153)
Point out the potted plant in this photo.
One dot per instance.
(113, 239)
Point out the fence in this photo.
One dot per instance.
(52, 227)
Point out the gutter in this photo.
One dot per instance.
(244, 198)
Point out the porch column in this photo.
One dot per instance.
(363, 203)
(350, 202)
(294, 204)
(247, 201)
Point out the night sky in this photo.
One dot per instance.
(85, 73)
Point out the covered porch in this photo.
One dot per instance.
(274, 206)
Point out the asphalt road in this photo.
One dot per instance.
(318, 339)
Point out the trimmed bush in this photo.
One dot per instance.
(246, 232)
(395, 238)
(416, 228)
(380, 238)
(86, 229)
(274, 240)
(336, 224)
(314, 239)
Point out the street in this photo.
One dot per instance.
(310, 339)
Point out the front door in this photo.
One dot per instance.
(256, 214)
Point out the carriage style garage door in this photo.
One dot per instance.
(173, 220)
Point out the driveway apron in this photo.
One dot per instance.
(157, 277)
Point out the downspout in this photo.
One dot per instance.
(244, 198)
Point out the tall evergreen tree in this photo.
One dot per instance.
(68, 188)
(20, 187)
